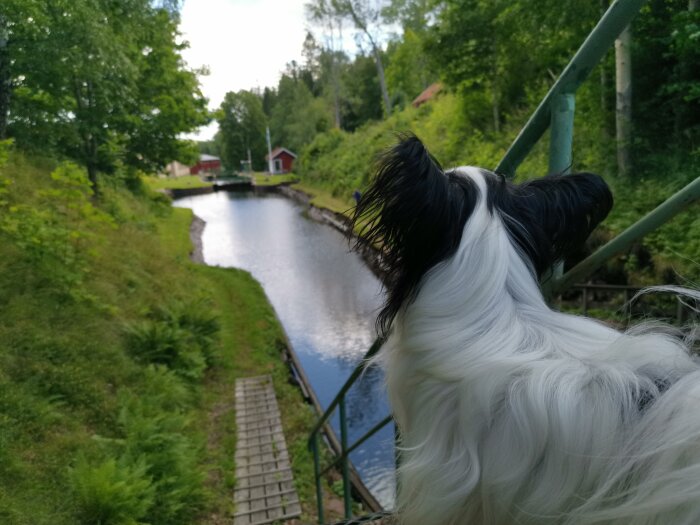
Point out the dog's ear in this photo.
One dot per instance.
(551, 217)
(415, 214)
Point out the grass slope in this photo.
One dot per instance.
(336, 163)
(176, 183)
(118, 357)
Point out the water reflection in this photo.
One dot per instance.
(325, 297)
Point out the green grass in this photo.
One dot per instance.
(336, 163)
(176, 183)
(322, 198)
(262, 179)
(85, 413)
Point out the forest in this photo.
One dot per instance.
(493, 61)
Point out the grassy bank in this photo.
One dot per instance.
(118, 357)
(262, 179)
(336, 163)
(176, 183)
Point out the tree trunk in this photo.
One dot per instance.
(5, 78)
(693, 5)
(382, 80)
(336, 91)
(623, 106)
(92, 175)
(603, 70)
(496, 110)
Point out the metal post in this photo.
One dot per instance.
(317, 476)
(616, 18)
(397, 454)
(345, 467)
(561, 133)
(585, 300)
(269, 150)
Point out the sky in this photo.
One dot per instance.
(244, 43)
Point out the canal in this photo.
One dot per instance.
(326, 298)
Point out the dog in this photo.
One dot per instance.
(510, 412)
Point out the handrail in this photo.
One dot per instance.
(345, 450)
(376, 345)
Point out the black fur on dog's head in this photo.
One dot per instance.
(416, 212)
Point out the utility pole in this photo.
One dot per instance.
(269, 150)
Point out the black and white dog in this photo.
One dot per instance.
(510, 412)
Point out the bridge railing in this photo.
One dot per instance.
(556, 111)
(343, 458)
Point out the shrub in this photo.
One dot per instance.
(158, 437)
(111, 493)
(179, 337)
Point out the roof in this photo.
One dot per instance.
(277, 151)
(427, 94)
(204, 157)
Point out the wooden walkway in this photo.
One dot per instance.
(264, 490)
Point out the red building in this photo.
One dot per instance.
(207, 165)
(282, 160)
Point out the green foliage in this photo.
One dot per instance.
(241, 129)
(296, 116)
(102, 83)
(111, 493)
(155, 434)
(5, 146)
(180, 338)
(409, 70)
(338, 162)
(54, 233)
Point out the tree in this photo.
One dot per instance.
(20, 22)
(167, 99)
(366, 16)
(297, 115)
(623, 105)
(242, 125)
(510, 49)
(361, 93)
(321, 13)
(102, 83)
(409, 71)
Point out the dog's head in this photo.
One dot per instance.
(417, 213)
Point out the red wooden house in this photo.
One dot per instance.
(282, 160)
(207, 165)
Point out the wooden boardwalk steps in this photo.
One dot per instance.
(264, 486)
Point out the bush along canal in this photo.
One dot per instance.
(325, 297)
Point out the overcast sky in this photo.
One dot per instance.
(244, 43)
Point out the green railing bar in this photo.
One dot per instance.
(317, 475)
(376, 428)
(616, 18)
(561, 136)
(345, 467)
(648, 223)
(350, 381)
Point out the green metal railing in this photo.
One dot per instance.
(556, 111)
(344, 457)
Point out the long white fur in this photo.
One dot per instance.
(512, 413)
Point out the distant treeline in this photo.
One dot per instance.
(498, 57)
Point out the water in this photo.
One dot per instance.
(326, 298)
